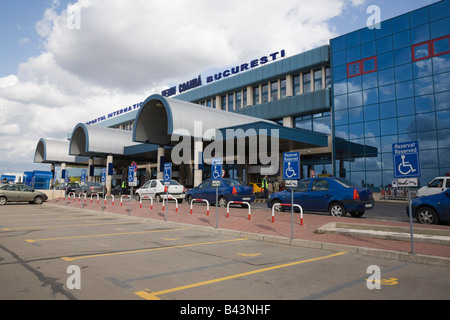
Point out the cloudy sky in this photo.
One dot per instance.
(63, 62)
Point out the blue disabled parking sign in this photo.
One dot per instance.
(291, 165)
(406, 159)
(167, 172)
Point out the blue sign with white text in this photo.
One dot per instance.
(291, 165)
(406, 159)
(167, 172)
(216, 168)
(83, 176)
(130, 174)
(103, 175)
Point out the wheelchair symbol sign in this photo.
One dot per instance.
(291, 166)
(167, 172)
(216, 168)
(406, 159)
(130, 174)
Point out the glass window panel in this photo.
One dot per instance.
(371, 112)
(426, 122)
(356, 115)
(420, 34)
(296, 84)
(386, 76)
(441, 63)
(419, 17)
(317, 79)
(387, 142)
(340, 87)
(385, 60)
(402, 39)
(354, 69)
(367, 34)
(355, 84)
(256, 95)
(385, 30)
(304, 123)
(224, 102)
(388, 164)
(411, 136)
(427, 140)
(352, 39)
(443, 100)
(441, 46)
(384, 45)
(265, 93)
(428, 158)
(388, 109)
(327, 78)
(353, 54)
(230, 102)
(338, 44)
(406, 124)
(283, 88)
(341, 131)
(421, 51)
(341, 117)
(443, 138)
(442, 82)
(340, 102)
(354, 99)
(369, 65)
(439, 10)
(368, 50)
(238, 100)
(244, 101)
(424, 103)
(400, 23)
(322, 124)
(403, 73)
(370, 80)
(423, 86)
(443, 119)
(440, 28)
(388, 127)
(422, 68)
(404, 89)
(373, 177)
(402, 56)
(339, 58)
(274, 90)
(357, 169)
(306, 82)
(405, 107)
(387, 93)
(370, 96)
(372, 128)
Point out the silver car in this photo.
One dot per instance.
(20, 193)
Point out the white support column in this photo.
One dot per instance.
(91, 164)
(159, 173)
(109, 160)
(198, 173)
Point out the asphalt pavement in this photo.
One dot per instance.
(364, 236)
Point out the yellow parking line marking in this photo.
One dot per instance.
(148, 250)
(100, 235)
(70, 225)
(149, 295)
(54, 219)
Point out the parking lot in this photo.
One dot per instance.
(50, 252)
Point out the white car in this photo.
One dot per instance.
(156, 190)
(438, 185)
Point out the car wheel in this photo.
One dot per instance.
(189, 199)
(3, 200)
(38, 200)
(137, 197)
(158, 198)
(222, 202)
(357, 214)
(277, 208)
(427, 215)
(337, 210)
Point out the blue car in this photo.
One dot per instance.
(334, 195)
(229, 190)
(431, 209)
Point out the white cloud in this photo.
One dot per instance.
(126, 50)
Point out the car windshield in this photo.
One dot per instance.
(172, 182)
(233, 182)
(346, 182)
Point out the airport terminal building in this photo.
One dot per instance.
(341, 105)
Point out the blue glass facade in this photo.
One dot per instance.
(393, 85)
